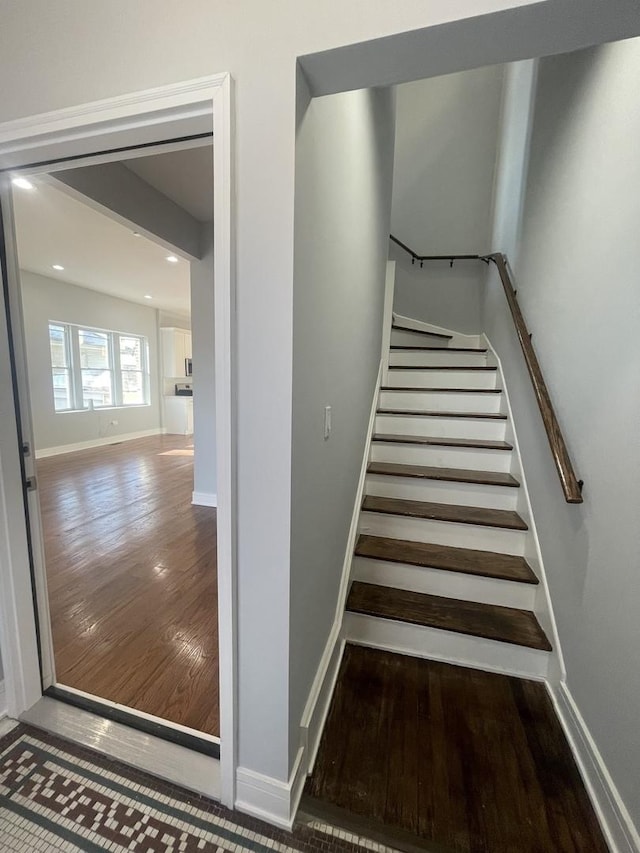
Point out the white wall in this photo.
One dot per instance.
(47, 299)
(446, 145)
(204, 378)
(518, 98)
(70, 61)
(344, 164)
(446, 296)
(577, 280)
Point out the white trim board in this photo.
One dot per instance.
(167, 760)
(204, 499)
(131, 119)
(621, 834)
(544, 610)
(422, 326)
(46, 452)
(269, 799)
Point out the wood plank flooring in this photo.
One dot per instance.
(491, 621)
(453, 475)
(131, 572)
(489, 564)
(456, 760)
(504, 518)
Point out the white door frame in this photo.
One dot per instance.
(155, 114)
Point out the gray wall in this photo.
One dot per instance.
(577, 280)
(438, 294)
(47, 299)
(445, 155)
(344, 160)
(414, 39)
(204, 379)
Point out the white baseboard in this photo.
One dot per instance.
(45, 452)
(315, 714)
(621, 833)
(3, 700)
(270, 799)
(204, 499)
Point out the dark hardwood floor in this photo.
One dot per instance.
(131, 571)
(439, 757)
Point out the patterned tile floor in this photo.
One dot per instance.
(56, 796)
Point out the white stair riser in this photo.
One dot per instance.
(440, 401)
(442, 457)
(424, 358)
(399, 337)
(447, 584)
(399, 378)
(443, 427)
(447, 646)
(438, 491)
(476, 536)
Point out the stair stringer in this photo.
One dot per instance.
(543, 607)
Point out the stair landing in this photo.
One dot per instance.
(422, 755)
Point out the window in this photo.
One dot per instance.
(94, 368)
(60, 367)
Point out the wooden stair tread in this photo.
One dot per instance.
(490, 621)
(451, 475)
(481, 443)
(504, 518)
(487, 564)
(441, 390)
(403, 328)
(426, 348)
(459, 367)
(498, 416)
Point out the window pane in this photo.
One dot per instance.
(130, 353)
(96, 387)
(94, 349)
(61, 389)
(58, 346)
(132, 388)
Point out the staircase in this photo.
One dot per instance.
(446, 565)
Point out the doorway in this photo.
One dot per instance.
(28, 678)
(128, 547)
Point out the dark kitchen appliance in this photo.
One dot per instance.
(188, 367)
(184, 389)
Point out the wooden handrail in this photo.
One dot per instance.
(571, 486)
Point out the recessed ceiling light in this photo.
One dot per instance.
(172, 259)
(23, 183)
(136, 234)
(58, 267)
(148, 296)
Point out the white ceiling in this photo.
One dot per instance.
(95, 251)
(186, 177)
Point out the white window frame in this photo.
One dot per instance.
(72, 345)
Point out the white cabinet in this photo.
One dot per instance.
(176, 347)
(178, 415)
